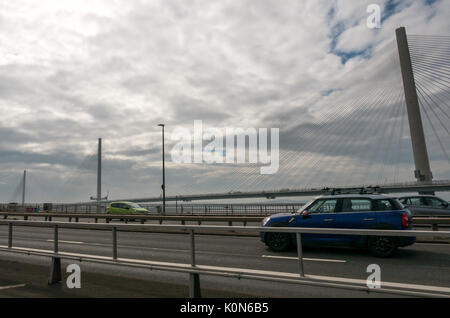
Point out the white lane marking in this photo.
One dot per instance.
(12, 286)
(437, 244)
(306, 259)
(67, 242)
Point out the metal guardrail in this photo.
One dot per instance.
(226, 209)
(171, 209)
(193, 268)
(433, 222)
(136, 217)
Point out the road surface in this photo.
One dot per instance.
(420, 264)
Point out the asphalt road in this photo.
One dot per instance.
(421, 264)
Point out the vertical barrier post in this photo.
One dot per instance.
(114, 234)
(55, 239)
(194, 278)
(300, 254)
(10, 233)
(55, 267)
(192, 235)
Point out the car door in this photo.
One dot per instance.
(121, 208)
(417, 205)
(320, 214)
(114, 208)
(355, 213)
(436, 206)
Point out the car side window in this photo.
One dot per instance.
(356, 205)
(434, 202)
(384, 205)
(114, 205)
(323, 206)
(414, 201)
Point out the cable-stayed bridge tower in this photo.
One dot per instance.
(422, 164)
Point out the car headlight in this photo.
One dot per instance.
(264, 222)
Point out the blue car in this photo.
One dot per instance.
(344, 212)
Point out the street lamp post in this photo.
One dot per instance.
(163, 172)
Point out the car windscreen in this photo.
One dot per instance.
(134, 205)
(305, 206)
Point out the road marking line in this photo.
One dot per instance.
(437, 243)
(67, 242)
(306, 259)
(11, 286)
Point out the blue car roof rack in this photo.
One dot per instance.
(360, 190)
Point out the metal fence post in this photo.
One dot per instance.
(300, 254)
(10, 233)
(194, 278)
(55, 239)
(192, 235)
(55, 271)
(114, 234)
(55, 267)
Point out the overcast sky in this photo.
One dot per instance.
(75, 71)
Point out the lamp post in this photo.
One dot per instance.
(163, 172)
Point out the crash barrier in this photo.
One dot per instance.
(142, 218)
(431, 222)
(250, 209)
(195, 270)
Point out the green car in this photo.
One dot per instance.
(125, 208)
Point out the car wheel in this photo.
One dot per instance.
(278, 242)
(383, 246)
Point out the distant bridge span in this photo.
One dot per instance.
(435, 186)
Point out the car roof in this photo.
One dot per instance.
(418, 196)
(126, 202)
(355, 196)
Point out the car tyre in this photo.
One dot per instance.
(382, 246)
(278, 242)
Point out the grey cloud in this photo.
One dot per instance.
(259, 63)
(187, 109)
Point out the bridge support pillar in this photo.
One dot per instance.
(55, 271)
(194, 286)
(422, 165)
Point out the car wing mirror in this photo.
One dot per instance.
(304, 215)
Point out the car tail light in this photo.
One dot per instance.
(405, 220)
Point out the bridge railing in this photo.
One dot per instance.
(194, 269)
(232, 209)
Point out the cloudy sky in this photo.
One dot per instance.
(75, 71)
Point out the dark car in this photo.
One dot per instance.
(426, 205)
(344, 212)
